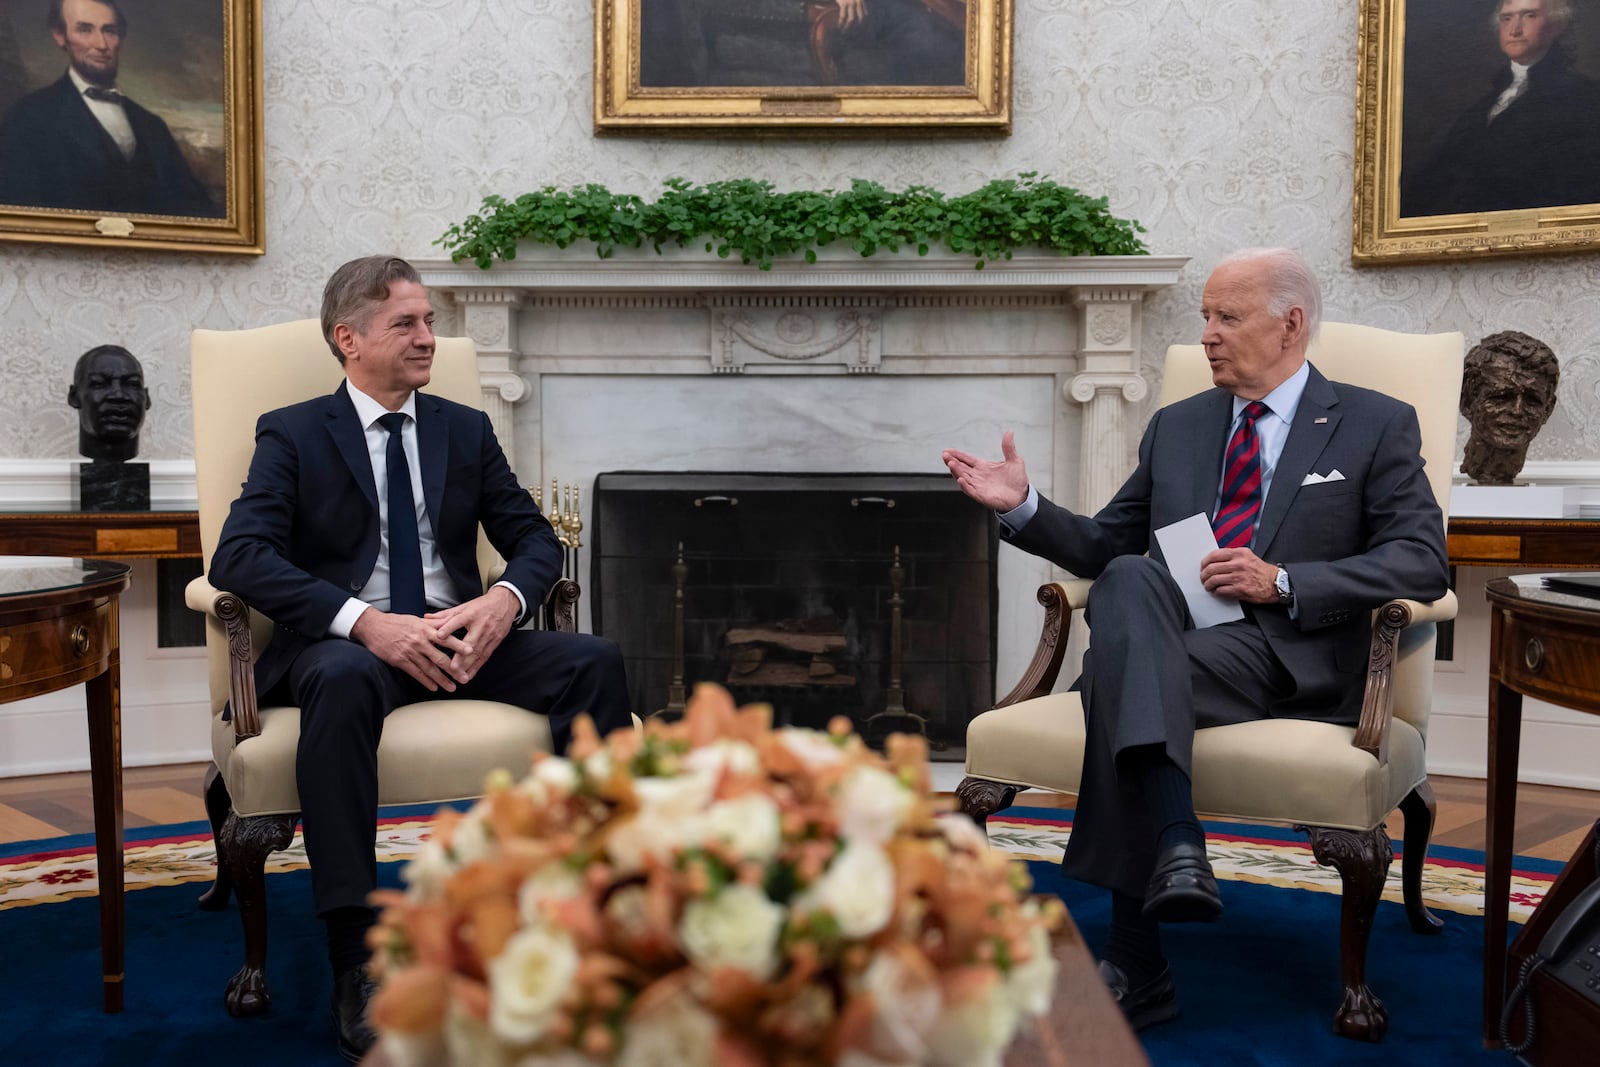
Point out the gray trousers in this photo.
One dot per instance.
(1151, 678)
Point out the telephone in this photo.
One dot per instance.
(1570, 951)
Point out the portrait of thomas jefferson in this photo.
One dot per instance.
(106, 127)
(1502, 106)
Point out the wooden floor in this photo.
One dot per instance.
(1550, 821)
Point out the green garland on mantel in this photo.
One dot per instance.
(752, 219)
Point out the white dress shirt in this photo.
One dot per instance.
(435, 582)
(110, 115)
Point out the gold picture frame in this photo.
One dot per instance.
(752, 66)
(1435, 178)
(178, 166)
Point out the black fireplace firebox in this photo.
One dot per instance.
(866, 595)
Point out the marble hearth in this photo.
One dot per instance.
(685, 363)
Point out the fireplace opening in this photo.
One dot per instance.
(871, 596)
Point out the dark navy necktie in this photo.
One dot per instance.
(1241, 482)
(405, 547)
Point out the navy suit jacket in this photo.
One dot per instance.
(55, 154)
(1348, 545)
(303, 536)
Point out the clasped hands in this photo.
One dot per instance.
(442, 649)
(1235, 573)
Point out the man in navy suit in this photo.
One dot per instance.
(1318, 499)
(356, 533)
(81, 144)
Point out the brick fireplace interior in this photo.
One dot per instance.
(789, 585)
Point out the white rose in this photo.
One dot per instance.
(1031, 985)
(650, 833)
(527, 981)
(812, 747)
(905, 1007)
(975, 1033)
(413, 1050)
(686, 794)
(962, 834)
(598, 765)
(470, 1041)
(872, 805)
(750, 824)
(736, 928)
(857, 888)
(553, 881)
(556, 774)
(736, 757)
(471, 839)
(427, 872)
(676, 1034)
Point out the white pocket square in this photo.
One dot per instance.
(1317, 479)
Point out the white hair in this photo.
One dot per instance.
(1290, 283)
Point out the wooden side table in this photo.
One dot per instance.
(1542, 644)
(114, 535)
(58, 628)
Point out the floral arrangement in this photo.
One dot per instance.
(711, 891)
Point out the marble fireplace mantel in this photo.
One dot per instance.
(686, 362)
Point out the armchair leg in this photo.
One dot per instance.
(1362, 860)
(242, 852)
(1418, 809)
(979, 798)
(218, 805)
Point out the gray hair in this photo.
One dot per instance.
(1290, 283)
(356, 289)
(1557, 10)
(56, 21)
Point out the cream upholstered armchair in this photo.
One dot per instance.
(430, 753)
(1336, 783)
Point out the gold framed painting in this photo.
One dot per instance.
(1477, 129)
(132, 125)
(818, 66)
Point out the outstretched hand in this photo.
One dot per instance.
(999, 486)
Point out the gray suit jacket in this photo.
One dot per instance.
(1348, 545)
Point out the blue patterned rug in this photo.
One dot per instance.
(1257, 988)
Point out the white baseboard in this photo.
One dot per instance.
(54, 740)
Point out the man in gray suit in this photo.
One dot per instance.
(1322, 512)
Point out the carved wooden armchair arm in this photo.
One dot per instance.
(224, 611)
(1060, 600)
(1377, 703)
(227, 612)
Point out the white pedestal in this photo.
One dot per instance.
(1516, 501)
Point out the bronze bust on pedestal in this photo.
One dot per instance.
(1508, 390)
(109, 393)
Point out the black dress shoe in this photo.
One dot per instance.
(1154, 1002)
(1182, 888)
(351, 991)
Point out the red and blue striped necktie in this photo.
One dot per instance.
(1241, 482)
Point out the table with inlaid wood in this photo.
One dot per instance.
(1543, 644)
(59, 628)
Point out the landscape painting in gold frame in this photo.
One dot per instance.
(132, 125)
(810, 66)
(1438, 178)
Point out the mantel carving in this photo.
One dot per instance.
(1072, 320)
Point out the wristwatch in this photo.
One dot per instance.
(1285, 590)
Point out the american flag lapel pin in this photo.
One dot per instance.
(1319, 422)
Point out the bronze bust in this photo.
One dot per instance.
(108, 391)
(1508, 390)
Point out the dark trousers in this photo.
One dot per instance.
(345, 692)
(1151, 678)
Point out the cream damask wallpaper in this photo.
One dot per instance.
(1216, 124)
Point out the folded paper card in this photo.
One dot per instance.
(1184, 544)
